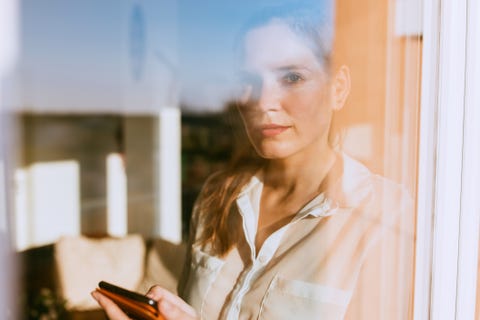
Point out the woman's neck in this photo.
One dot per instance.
(299, 173)
(289, 184)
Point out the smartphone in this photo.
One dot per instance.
(135, 305)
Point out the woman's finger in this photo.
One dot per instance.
(173, 312)
(112, 310)
(171, 303)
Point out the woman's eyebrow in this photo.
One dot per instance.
(293, 67)
(245, 73)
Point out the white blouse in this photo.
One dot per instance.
(309, 268)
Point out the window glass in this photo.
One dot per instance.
(275, 142)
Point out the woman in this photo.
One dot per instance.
(285, 234)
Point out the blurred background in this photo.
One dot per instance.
(114, 113)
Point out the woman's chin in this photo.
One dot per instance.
(274, 153)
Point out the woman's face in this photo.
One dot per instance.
(287, 104)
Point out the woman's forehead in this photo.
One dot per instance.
(275, 45)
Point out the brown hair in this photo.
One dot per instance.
(216, 208)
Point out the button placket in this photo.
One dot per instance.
(240, 291)
(262, 259)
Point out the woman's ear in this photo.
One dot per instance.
(341, 87)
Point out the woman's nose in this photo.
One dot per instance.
(269, 97)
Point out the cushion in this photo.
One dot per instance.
(83, 262)
(164, 265)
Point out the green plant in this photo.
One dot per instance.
(46, 305)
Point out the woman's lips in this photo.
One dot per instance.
(272, 130)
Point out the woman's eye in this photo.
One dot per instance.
(292, 78)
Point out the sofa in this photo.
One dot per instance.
(55, 280)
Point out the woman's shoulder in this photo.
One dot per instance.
(372, 192)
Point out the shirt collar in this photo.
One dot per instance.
(349, 183)
(321, 206)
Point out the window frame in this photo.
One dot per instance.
(448, 207)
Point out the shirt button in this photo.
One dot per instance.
(262, 259)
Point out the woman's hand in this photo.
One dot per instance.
(112, 310)
(170, 306)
